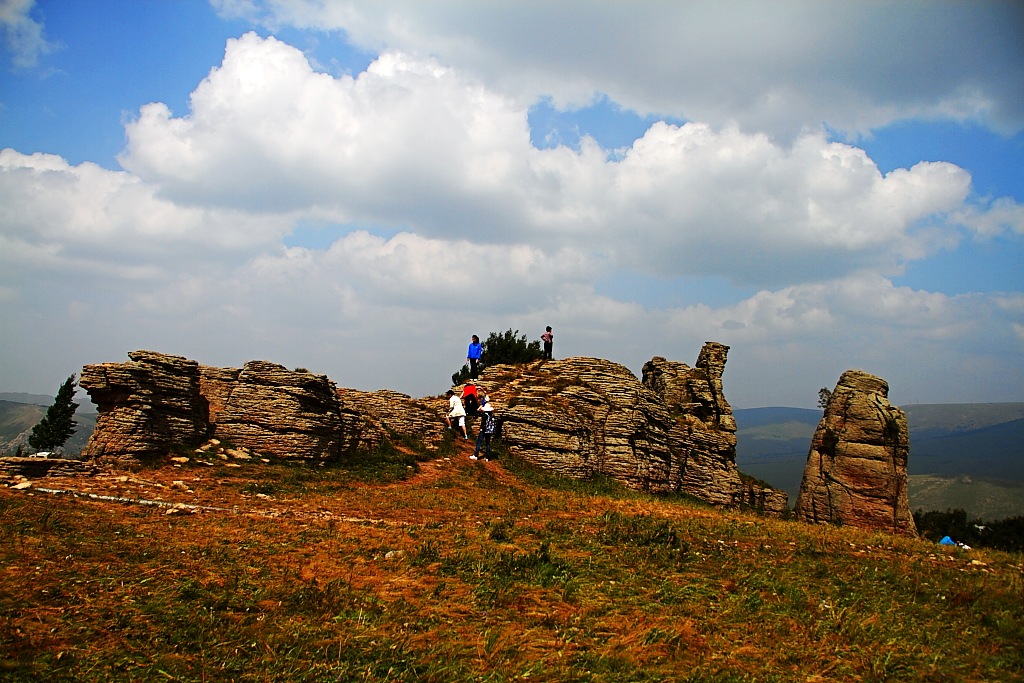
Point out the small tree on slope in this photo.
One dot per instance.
(57, 425)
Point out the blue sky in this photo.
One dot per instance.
(357, 188)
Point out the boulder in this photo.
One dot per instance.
(144, 406)
(281, 413)
(856, 471)
(386, 414)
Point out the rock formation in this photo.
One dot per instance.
(856, 472)
(388, 414)
(279, 412)
(144, 405)
(671, 432)
(157, 402)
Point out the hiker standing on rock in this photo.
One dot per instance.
(457, 413)
(473, 355)
(548, 340)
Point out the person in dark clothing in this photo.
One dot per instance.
(487, 425)
(548, 340)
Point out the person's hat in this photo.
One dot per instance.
(487, 407)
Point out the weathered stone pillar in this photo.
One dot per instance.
(856, 472)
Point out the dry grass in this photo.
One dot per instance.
(471, 571)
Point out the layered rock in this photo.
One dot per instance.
(157, 402)
(284, 413)
(856, 472)
(388, 414)
(144, 406)
(580, 417)
(704, 428)
(34, 468)
(760, 496)
(671, 432)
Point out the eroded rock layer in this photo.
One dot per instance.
(856, 472)
(580, 417)
(671, 432)
(144, 406)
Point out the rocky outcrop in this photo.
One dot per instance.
(856, 472)
(704, 429)
(144, 405)
(758, 495)
(672, 431)
(157, 402)
(34, 468)
(389, 414)
(282, 413)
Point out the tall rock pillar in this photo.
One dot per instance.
(856, 472)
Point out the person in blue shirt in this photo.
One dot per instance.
(473, 355)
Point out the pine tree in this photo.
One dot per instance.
(824, 396)
(57, 425)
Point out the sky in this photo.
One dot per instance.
(356, 188)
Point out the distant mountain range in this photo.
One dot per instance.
(965, 455)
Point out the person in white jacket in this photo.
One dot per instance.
(456, 413)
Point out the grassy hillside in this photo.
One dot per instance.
(471, 571)
(937, 420)
(989, 499)
(996, 452)
(15, 418)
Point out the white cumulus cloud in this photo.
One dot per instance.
(779, 66)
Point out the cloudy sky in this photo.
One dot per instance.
(356, 188)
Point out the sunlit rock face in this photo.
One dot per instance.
(156, 402)
(856, 472)
(144, 405)
(672, 431)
